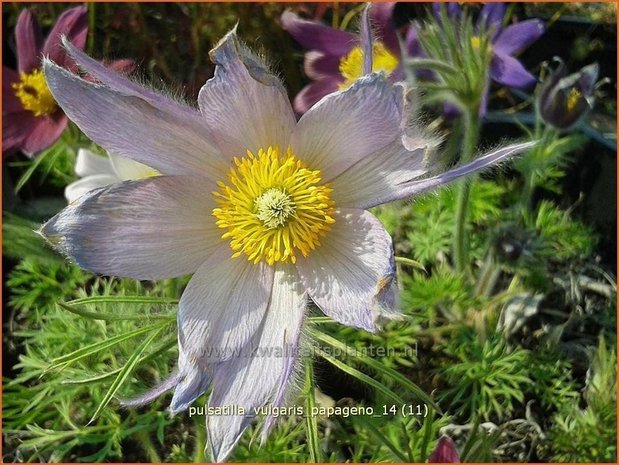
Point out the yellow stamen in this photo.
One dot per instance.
(273, 207)
(33, 93)
(351, 66)
(572, 99)
(475, 42)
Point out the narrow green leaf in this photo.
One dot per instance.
(127, 369)
(122, 299)
(111, 316)
(164, 347)
(65, 360)
(378, 367)
(361, 376)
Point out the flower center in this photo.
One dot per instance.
(273, 207)
(573, 98)
(351, 66)
(33, 93)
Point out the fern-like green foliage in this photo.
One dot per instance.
(432, 223)
(589, 433)
(485, 378)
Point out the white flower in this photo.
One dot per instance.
(99, 171)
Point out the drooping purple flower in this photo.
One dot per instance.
(267, 212)
(564, 100)
(31, 119)
(334, 58)
(444, 452)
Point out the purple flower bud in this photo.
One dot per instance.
(564, 100)
(444, 452)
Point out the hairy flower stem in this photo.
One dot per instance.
(461, 243)
(148, 446)
(311, 425)
(200, 443)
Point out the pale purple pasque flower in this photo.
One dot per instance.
(334, 58)
(444, 452)
(31, 120)
(267, 212)
(97, 171)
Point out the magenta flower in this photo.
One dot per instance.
(31, 119)
(267, 212)
(335, 57)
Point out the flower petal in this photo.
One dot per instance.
(127, 169)
(44, 132)
(89, 163)
(517, 37)
(10, 102)
(129, 125)
(73, 24)
(349, 125)
(28, 41)
(319, 65)
(113, 78)
(410, 189)
(444, 452)
(491, 15)
(381, 17)
(246, 106)
(261, 373)
(508, 71)
(379, 174)
(220, 311)
(155, 228)
(15, 128)
(315, 36)
(80, 187)
(351, 276)
(314, 92)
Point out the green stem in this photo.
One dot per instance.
(461, 244)
(200, 444)
(311, 425)
(148, 446)
(488, 276)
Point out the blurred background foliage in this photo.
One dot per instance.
(518, 353)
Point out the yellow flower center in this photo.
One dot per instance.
(33, 93)
(573, 98)
(351, 66)
(273, 207)
(475, 42)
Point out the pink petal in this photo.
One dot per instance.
(10, 102)
(314, 92)
(15, 128)
(315, 36)
(29, 41)
(44, 132)
(73, 24)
